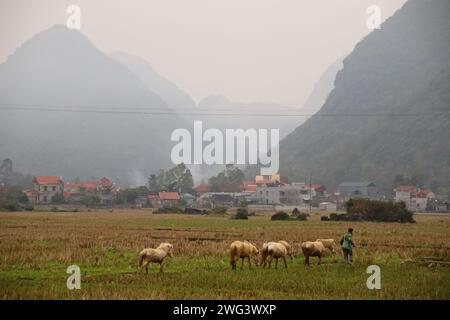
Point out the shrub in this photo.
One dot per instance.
(280, 215)
(241, 214)
(11, 207)
(324, 218)
(302, 216)
(374, 210)
(377, 210)
(174, 208)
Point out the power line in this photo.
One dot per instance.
(198, 112)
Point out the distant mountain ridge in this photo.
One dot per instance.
(402, 69)
(79, 133)
(167, 90)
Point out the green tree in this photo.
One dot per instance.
(12, 197)
(179, 179)
(229, 180)
(153, 183)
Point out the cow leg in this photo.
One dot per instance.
(146, 267)
(276, 263)
(242, 264)
(249, 262)
(320, 260)
(285, 264)
(270, 262)
(306, 260)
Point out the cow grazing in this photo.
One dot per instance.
(329, 244)
(157, 255)
(289, 248)
(313, 249)
(242, 250)
(273, 250)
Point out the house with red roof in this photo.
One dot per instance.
(416, 199)
(202, 188)
(249, 186)
(169, 198)
(320, 189)
(45, 188)
(103, 188)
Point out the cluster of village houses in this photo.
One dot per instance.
(263, 191)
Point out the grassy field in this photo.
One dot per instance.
(36, 249)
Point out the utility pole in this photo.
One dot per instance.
(310, 192)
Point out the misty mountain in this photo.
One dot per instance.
(77, 120)
(389, 111)
(322, 88)
(257, 115)
(167, 90)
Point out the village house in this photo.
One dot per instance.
(269, 194)
(202, 189)
(366, 189)
(249, 186)
(268, 179)
(154, 201)
(45, 188)
(415, 199)
(104, 188)
(214, 199)
(403, 193)
(168, 198)
(297, 193)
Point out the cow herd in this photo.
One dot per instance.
(245, 250)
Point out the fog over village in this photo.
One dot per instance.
(181, 118)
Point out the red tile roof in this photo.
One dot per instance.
(202, 188)
(47, 179)
(169, 196)
(264, 181)
(422, 193)
(105, 182)
(247, 183)
(90, 185)
(405, 188)
(318, 187)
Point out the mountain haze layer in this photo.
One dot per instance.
(77, 121)
(389, 111)
(167, 90)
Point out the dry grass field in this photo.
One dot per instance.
(37, 247)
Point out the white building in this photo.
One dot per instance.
(46, 187)
(416, 199)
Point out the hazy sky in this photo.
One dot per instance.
(247, 50)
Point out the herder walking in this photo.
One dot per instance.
(347, 246)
